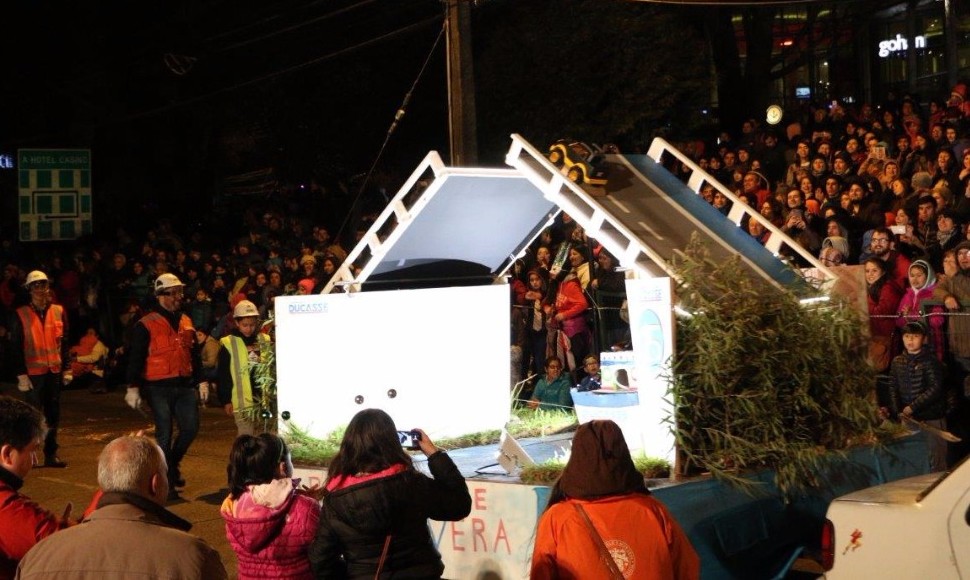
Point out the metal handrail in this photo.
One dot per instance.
(740, 209)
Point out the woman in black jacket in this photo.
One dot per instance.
(374, 521)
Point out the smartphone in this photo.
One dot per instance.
(409, 439)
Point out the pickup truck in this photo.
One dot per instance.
(917, 527)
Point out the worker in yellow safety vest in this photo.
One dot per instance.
(241, 351)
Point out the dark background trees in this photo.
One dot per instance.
(172, 98)
(599, 71)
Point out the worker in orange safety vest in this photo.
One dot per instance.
(39, 333)
(165, 362)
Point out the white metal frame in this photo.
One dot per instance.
(396, 210)
(740, 209)
(580, 205)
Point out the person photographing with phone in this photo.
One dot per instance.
(375, 513)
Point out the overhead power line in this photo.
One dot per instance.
(279, 73)
(297, 26)
(200, 98)
(398, 116)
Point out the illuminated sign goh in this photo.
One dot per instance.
(898, 44)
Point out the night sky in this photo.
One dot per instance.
(173, 96)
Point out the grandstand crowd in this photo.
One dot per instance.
(887, 185)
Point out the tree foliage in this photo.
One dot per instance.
(762, 381)
(264, 409)
(598, 70)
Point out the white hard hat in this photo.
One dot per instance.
(35, 276)
(245, 308)
(166, 281)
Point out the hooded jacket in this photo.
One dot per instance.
(270, 527)
(911, 308)
(357, 519)
(601, 480)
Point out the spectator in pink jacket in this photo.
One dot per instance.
(922, 281)
(269, 522)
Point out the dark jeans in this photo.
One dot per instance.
(46, 396)
(182, 405)
(538, 340)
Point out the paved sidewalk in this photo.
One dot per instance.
(89, 421)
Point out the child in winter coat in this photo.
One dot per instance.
(269, 522)
(918, 391)
(922, 281)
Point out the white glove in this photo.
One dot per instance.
(203, 392)
(133, 398)
(24, 384)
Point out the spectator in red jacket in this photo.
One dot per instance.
(568, 317)
(23, 523)
(883, 296)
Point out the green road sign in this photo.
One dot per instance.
(54, 194)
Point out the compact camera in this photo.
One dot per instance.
(409, 439)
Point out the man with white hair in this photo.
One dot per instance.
(130, 534)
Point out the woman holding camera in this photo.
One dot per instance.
(376, 508)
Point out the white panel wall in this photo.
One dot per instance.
(444, 351)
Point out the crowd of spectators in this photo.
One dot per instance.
(567, 296)
(886, 188)
(105, 284)
(830, 181)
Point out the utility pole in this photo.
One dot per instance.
(461, 84)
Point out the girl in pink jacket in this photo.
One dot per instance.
(269, 523)
(922, 281)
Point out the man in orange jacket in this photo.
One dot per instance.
(39, 333)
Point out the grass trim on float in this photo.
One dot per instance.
(524, 423)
